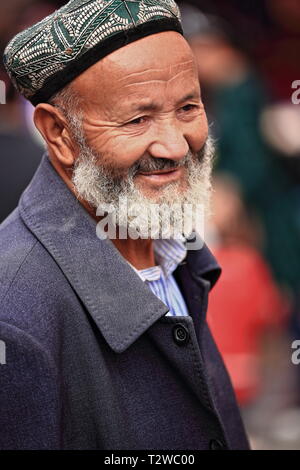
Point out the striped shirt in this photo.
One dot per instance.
(168, 255)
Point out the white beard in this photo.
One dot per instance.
(104, 188)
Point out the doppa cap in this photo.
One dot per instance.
(47, 56)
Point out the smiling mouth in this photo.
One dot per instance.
(160, 177)
(158, 172)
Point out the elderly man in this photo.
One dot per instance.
(105, 342)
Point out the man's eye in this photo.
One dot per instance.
(139, 120)
(188, 107)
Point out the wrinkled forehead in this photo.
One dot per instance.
(163, 59)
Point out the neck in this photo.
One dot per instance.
(139, 253)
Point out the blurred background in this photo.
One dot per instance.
(248, 59)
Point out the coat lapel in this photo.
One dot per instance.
(121, 305)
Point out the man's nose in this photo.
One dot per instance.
(169, 142)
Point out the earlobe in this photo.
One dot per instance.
(53, 127)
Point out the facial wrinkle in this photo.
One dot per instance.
(155, 70)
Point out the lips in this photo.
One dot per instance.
(157, 172)
(160, 177)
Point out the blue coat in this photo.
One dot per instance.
(91, 361)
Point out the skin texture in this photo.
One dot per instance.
(141, 100)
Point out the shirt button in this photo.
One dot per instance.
(180, 334)
(215, 444)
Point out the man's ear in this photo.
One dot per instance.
(53, 126)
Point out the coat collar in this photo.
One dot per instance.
(97, 272)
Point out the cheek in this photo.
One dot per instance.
(119, 150)
(197, 133)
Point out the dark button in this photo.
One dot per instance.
(180, 334)
(215, 444)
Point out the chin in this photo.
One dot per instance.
(163, 191)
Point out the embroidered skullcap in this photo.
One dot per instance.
(47, 56)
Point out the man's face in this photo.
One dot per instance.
(142, 110)
(144, 131)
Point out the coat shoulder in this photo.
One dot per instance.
(34, 293)
(16, 242)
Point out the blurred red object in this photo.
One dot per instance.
(242, 305)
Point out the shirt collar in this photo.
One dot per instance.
(169, 253)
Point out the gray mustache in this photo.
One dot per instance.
(156, 164)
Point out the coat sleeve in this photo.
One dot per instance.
(29, 393)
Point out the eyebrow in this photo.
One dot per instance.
(146, 107)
